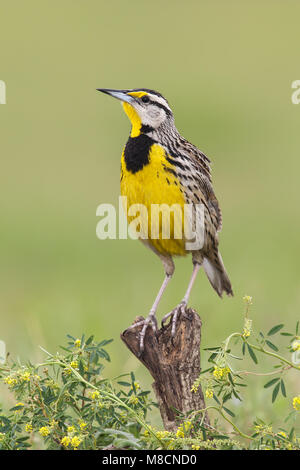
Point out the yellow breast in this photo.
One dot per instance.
(152, 186)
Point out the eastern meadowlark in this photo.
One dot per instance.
(160, 167)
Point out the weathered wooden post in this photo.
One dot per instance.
(174, 365)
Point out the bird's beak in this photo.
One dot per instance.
(119, 94)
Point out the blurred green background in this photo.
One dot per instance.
(226, 69)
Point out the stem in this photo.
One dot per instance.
(219, 410)
(234, 426)
(277, 356)
(260, 349)
(245, 372)
(227, 341)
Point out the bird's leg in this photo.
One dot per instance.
(180, 308)
(151, 319)
(169, 268)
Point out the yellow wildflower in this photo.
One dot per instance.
(94, 395)
(187, 425)
(221, 372)
(123, 416)
(296, 345)
(70, 429)
(282, 434)
(25, 376)
(133, 400)
(136, 386)
(196, 385)
(10, 380)
(28, 427)
(82, 424)
(19, 404)
(247, 299)
(296, 403)
(77, 343)
(162, 434)
(44, 431)
(74, 364)
(75, 442)
(263, 429)
(184, 427)
(65, 441)
(180, 432)
(146, 432)
(194, 447)
(247, 328)
(209, 393)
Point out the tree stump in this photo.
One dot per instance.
(174, 365)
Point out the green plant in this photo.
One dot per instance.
(67, 403)
(222, 382)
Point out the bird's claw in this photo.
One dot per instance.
(179, 309)
(150, 320)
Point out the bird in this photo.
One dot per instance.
(159, 167)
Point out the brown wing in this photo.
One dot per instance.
(202, 183)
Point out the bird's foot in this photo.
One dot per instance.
(179, 309)
(150, 320)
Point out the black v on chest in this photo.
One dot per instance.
(136, 152)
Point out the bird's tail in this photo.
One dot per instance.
(216, 273)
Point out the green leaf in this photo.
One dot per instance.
(104, 342)
(212, 357)
(236, 395)
(271, 382)
(216, 399)
(89, 340)
(230, 379)
(227, 397)
(275, 392)
(252, 354)
(271, 345)
(229, 412)
(16, 408)
(71, 337)
(206, 370)
(144, 394)
(292, 434)
(275, 329)
(283, 390)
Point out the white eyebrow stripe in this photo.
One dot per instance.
(160, 100)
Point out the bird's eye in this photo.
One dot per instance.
(145, 99)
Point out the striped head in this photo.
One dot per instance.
(147, 110)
